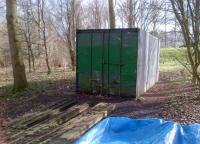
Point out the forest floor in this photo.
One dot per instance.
(172, 98)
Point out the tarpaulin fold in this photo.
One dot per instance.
(122, 130)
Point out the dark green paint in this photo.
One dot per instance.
(107, 61)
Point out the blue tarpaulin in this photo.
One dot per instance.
(116, 130)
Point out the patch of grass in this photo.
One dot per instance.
(38, 83)
(170, 57)
(33, 87)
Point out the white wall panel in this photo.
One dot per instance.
(148, 62)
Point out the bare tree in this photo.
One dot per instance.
(95, 11)
(28, 32)
(98, 12)
(38, 21)
(149, 13)
(68, 14)
(127, 12)
(20, 81)
(72, 31)
(144, 14)
(44, 37)
(131, 19)
(111, 13)
(188, 15)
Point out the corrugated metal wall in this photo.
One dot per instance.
(148, 62)
(107, 61)
(122, 62)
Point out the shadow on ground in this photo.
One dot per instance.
(168, 99)
(171, 98)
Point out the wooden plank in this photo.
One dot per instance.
(31, 116)
(73, 131)
(67, 125)
(35, 119)
(76, 126)
(34, 132)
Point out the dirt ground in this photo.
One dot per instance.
(2, 130)
(172, 98)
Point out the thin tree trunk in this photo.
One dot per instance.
(39, 26)
(73, 35)
(20, 81)
(46, 50)
(131, 16)
(165, 24)
(29, 44)
(44, 39)
(33, 58)
(72, 53)
(111, 13)
(71, 31)
(29, 57)
(27, 36)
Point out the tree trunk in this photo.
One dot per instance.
(187, 14)
(20, 81)
(111, 14)
(131, 19)
(73, 35)
(39, 26)
(44, 39)
(33, 58)
(72, 53)
(29, 44)
(29, 58)
(46, 51)
(71, 31)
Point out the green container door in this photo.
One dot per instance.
(96, 67)
(107, 61)
(129, 60)
(84, 61)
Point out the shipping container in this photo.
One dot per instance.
(123, 62)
